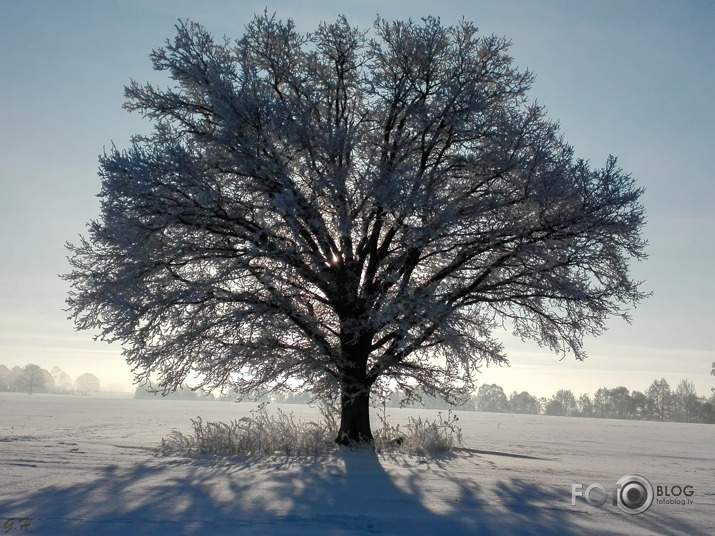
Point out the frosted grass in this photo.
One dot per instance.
(86, 466)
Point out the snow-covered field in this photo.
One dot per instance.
(89, 466)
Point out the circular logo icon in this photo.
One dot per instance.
(634, 494)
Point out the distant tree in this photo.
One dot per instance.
(602, 404)
(435, 402)
(524, 403)
(398, 399)
(705, 412)
(660, 395)
(49, 381)
(86, 384)
(554, 407)
(585, 406)
(562, 403)
(62, 381)
(640, 406)
(492, 398)
(345, 215)
(31, 380)
(142, 392)
(712, 372)
(621, 402)
(685, 401)
(15, 374)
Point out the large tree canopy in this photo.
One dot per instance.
(346, 208)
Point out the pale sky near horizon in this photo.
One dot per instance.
(629, 78)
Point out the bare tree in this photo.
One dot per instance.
(562, 403)
(32, 379)
(344, 213)
(87, 383)
(621, 402)
(492, 398)
(62, 381)
(524, 403)
(585, 406)
(602, 403)
(640, 406)
(686, 401)
(661, 398)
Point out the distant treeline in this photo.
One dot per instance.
(34, 379)
(658, 403)
(186, 393)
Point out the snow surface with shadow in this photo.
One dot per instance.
(90, 467)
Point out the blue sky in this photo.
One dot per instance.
(629, 78)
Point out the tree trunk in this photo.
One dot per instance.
(355, 343)
(354, 415)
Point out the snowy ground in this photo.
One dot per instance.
(89, 466)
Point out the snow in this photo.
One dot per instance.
(78, 465)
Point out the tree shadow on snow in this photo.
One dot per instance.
(350, 493)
